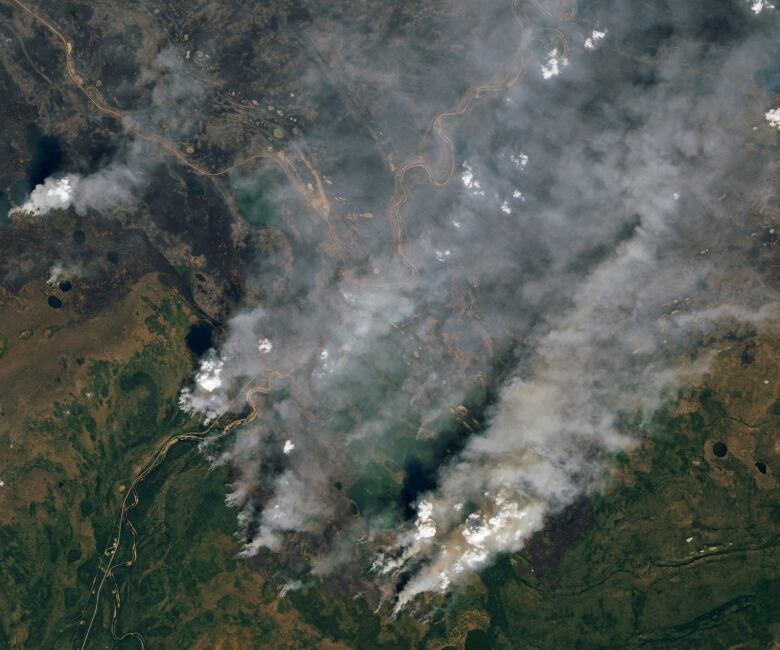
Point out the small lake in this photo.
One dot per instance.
(45, 159)
(5, 206)
(46, 155)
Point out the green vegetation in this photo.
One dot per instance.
(52, 549)
(681, 551)
(672, 559)
(620, 573)
(255, 204)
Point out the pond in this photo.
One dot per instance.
(5, 206)
(45, 155)
(477, 640)
(199, 338)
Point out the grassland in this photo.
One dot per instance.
(679, 550)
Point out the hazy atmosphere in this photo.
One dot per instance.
(364, 313)
(587, 241)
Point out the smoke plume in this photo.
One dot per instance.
(112, 186)
(171, 110)
(456, 347)
(596, 234)
(593, 235)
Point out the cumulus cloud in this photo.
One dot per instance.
(206, 398)
(773, 117)
(757, 6)
(594, 38)
(555, 62)
(588, 249)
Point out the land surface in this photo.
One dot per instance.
(678, 550)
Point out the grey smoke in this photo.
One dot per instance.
(605, 260)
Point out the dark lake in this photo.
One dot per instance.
(46, 153)
(199, 338)
(45, 159)
(477, 640)
(5, 206)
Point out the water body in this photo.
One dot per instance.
(199, 339)
(54, 302)
(720, 449)
(46, 155)
(45, 159)
(5, 206)
(20, 190)
(769, 77)
(477, 640)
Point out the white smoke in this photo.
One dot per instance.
(111, 187)
(52, 194)
(206, 398)
(60, 271)
(599, 264)
(617, 351)
(176, 94)
(285, 512)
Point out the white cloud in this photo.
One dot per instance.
(757, 6)
(207, 397)
(471, 183)
(773, 117)
(594, 38)
(209, 375)
(554, 65)
(520, 160)
(425, 526)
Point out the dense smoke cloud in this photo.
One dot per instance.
(597, 233)
(589, 240)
